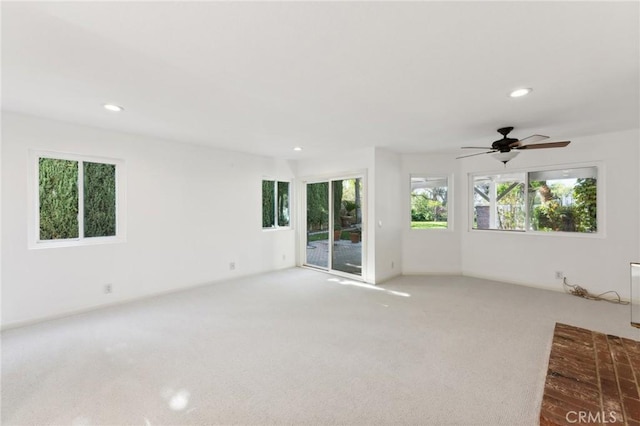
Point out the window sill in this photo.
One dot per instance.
(596, 235)
(280, 228)
(76, 242)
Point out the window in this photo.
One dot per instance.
(275, 204)
(545, 201)
(77, 199)
(563, 200)
(499, 202)
(429, 202)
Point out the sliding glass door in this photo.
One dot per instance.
(335, 225)
(318, 239)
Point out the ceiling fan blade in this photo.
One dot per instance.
(475, 147)
(545, 145)
(528, 139)
(533, 139)
(471, 155)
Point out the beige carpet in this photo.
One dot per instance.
(299, 347)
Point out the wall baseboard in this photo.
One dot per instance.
(448, 273)
(520, 283)
(385, 279)
(25, 323)
(558, 289)
(29, 322)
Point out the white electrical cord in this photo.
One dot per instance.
(576, 290)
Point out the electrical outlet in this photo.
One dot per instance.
(284, 257)
(108, 289)
(232, 266)
(393, 264)
(559, 275)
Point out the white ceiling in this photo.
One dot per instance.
(263, 77)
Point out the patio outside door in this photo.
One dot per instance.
(334, 225)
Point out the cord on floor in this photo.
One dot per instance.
(576, 290)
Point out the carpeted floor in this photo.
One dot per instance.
(299, 347)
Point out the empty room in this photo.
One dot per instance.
(320, 213)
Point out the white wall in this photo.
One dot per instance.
(387, 215)
(431, 251)
(597, 263)
(190, 211)
(1, 218)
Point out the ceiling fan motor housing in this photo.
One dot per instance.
(502, 145)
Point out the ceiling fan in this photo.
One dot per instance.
(502, 149)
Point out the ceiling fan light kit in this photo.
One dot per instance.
(502, 149)
(505, 156)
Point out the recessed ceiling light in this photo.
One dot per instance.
(520, 92)
(113, 107)
(297, 148)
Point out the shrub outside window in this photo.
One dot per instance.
(563, 200)
(76, 199)
(275, 204)
(429, 202)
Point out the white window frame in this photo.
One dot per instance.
(450, 201)
(600, 200)
(276, 226)
(34, 201)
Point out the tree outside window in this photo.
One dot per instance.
(429, 202)
(275, 204)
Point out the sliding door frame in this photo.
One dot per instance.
(302, 224)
